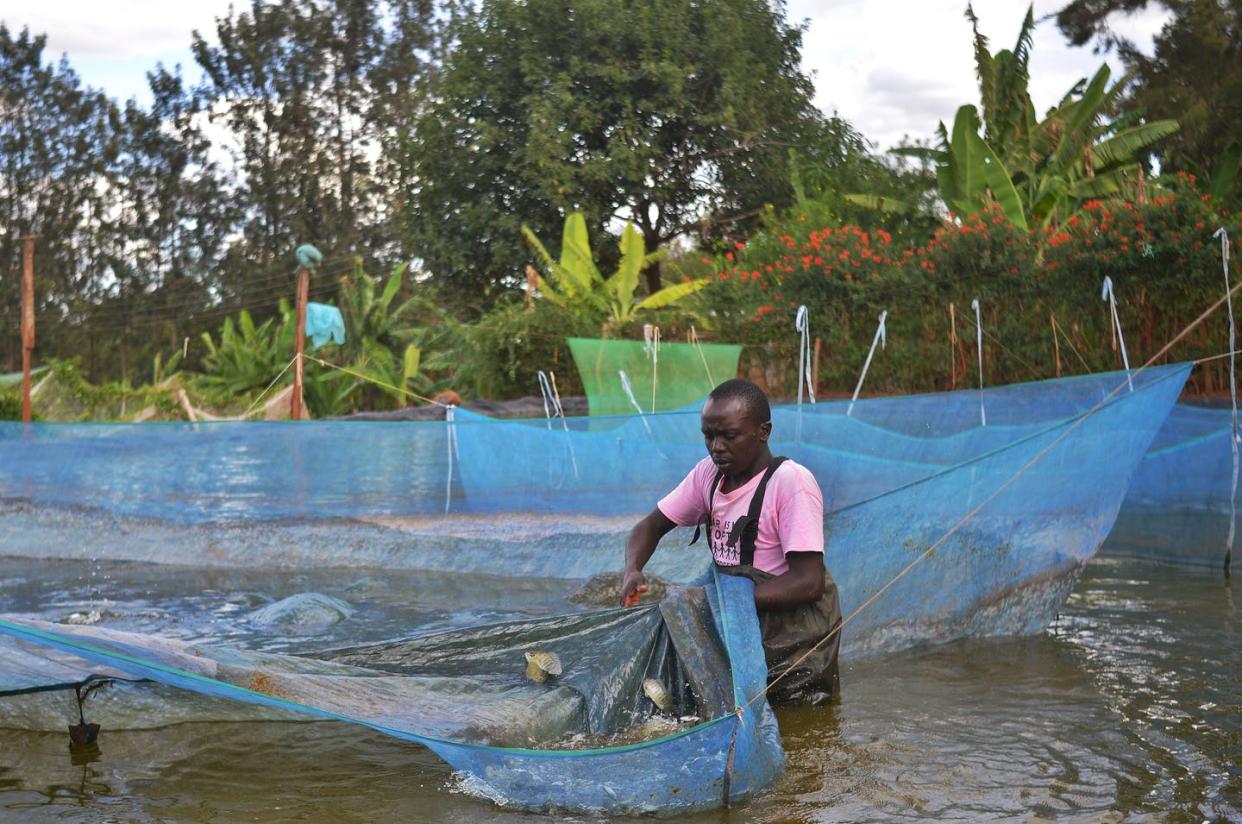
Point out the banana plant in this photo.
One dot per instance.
(248, 356)
(1038, 171)
(368, 311)
(377, 331)
(1080, 155)
(575, 281)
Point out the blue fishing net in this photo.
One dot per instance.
(586, 738)
(1178, 507)
(942, 526)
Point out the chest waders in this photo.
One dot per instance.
(788, 634)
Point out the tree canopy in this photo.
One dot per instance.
(1194, 75)
(677, 116)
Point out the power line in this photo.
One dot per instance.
(184, 309)
(266, 281)
(152, 319)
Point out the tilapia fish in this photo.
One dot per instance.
(541, 665)
(659, 696)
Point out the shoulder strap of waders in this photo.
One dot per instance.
(707, 523)
(747, 527)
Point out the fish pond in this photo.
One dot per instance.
(1128, 708)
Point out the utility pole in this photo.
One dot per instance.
(28, 320)
(299, 342)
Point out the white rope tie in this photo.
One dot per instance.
(881, 338)
(560, 411)
(651, 345)
(1233, 396)
(629, 393)
(263, 394)
(449, 418)
(1109, 295)
(694, 339)
(545, 389)
(974, 304)
(802, 325)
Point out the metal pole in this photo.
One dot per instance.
(28, 321)
(299, 343)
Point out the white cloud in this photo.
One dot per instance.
(113, 30)
(894, 68)
(891, 67)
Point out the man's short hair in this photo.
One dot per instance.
(754, 399)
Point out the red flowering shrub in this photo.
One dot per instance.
(1166, 269)
(1161, 256)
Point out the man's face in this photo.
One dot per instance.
(734, 440)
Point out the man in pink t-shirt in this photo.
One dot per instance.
(765, 520)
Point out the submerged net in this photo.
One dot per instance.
(1178, 507)
(586, 738)
(661, 379)
(1010, 512)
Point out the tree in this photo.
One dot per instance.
(315, 94)
(672, 115)
(1194, 75)
(168, 225)
(55, 145)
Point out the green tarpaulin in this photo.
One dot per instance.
(681, 373)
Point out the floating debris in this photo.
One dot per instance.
(541, 665)
(94, 616)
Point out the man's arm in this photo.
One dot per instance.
(639, 548)
(802, 584)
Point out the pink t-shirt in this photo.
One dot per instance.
(791, 520)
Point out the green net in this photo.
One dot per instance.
(680, 374)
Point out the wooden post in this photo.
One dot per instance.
(532, 283)
(28, 321)
(815, 368)
(299, 343)
(953, 346)
(1056, 344)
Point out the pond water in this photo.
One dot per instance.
(1128, 708)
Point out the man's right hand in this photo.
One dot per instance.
(633, 585)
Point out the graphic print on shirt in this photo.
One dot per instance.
(719, 539)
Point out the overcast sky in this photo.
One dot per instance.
(891, 67)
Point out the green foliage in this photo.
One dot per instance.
(371, 317)
(574, 282)
(382, 343)
(161, 371)
(971, 175)
(10, 405)
(499, 356)
(248, 356)
(1193, 74)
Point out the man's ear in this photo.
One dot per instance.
(765, 431)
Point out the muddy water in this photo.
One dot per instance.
(1128, 708)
